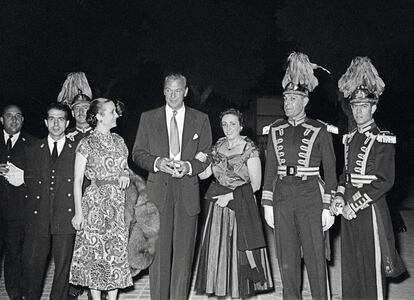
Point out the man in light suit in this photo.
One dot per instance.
(48, 176)
(167, 141)
(13, 145)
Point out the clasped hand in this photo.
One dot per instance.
(176, 168)
(223, 200)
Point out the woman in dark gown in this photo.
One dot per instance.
(233, 259)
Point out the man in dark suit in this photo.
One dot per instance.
(13, 144)
(167, 141)
(48, 175)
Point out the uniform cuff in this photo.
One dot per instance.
(267, 198)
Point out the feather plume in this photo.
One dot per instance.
(361, 72)
(300, 71)
(75, 82)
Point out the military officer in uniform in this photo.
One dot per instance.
(296, 201)
(13, 145)
(48, 175)
(79, 107)
(367, 238)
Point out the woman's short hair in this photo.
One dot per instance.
(94, 109)
(234, 112)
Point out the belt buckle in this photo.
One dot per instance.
(290, 170)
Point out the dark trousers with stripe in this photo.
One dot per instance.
(170, 272)
(298, 225)
(359, 280)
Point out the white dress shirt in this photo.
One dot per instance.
(14, 138)
(59, 145)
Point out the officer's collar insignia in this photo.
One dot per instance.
(298, 121)
(41, 146)
(83, 130)
(23, 139)
(366, 126)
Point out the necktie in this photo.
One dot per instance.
(9, 143)
(174, 136)
(54, 152)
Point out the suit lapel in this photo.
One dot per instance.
(188, 130)
(162, 131)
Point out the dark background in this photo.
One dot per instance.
(231, 51)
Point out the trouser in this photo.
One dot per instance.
(170, 272)
(298, 226)
(359, 272)
(13, 256)
(36, 251)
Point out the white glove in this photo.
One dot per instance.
(268, 214)
(337, 205)
(15, 175)
(327, 219)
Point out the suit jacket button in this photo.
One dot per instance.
(69, 194)
(70, 209)
(26, 196)
(35, 212)
(38, 197)
(69, 180)
(40, 182)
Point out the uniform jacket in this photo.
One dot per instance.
(12, 199)
(50, 204)
(307, 144)
(367, 177)
(152, 142)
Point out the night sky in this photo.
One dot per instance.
(231, 51)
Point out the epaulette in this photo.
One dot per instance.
(386, 137)
(266, 128)
(71, 135)
(329, 127)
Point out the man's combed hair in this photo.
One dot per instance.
(175, 76)
(58, 106)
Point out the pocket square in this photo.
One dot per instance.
(195, 136)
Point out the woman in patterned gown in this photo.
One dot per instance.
(233, 260)
(100, 253)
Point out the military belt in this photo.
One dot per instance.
(358, 180)
(298, 171)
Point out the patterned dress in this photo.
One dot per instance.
(223, 270)
(100, 259)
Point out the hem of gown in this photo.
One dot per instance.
(102, 288)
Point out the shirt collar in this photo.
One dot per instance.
(169, 110)
(14, 138)
(51, 141)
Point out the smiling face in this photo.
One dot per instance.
(107, 115)
(174, 92)
(56, 122)
(363, 112)
(294, 105)
(231, 126)
(12, 119)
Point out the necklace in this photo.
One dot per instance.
(235, 144)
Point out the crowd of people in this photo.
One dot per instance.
(65, 195)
